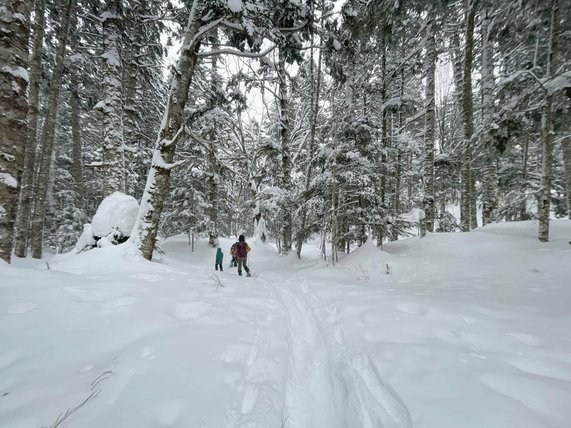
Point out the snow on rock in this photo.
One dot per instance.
(116, 212)
(86, 239)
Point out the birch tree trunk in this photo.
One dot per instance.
(490, 176)
(158, 180)
(22, 233)
(428, 201)
(468, 123)
(15, 28)
(113, 146)
(286, 231)
(547, 129)
(48, 135)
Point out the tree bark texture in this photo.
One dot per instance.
(172, 127)
(48, 134)
(14, 34)
(113, 146)
(284, 133)
(428, 200)
(468, 122)
(490, 176)
(547, 129)
(26, 191)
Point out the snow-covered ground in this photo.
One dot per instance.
(465, 330)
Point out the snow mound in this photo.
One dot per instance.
(116, 212)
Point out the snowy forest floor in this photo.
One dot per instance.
(466, 330)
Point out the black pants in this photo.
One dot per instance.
(242, 262)
(216, 266)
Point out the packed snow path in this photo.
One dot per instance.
(466, 330)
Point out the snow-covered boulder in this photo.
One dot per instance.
(116, 212)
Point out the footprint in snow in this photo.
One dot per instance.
(527, 339)
(168, 413)
(146, 353)
(10, 357)
(190, 310)
(20, 308)
(412, 308)
(118, 302)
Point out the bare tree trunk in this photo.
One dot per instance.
(213, 161)
(468, 116)
(490, 176)
(315, 80)
(48, 135)
(15, 28)
(113, 145)
(523, 207)
(428, 201)
(398, 172)
(76, 149)
(158, 180)
(22, 233)
(547, 129)
(286, 156)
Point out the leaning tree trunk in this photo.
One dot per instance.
(286, 216)
(172, 127)
(547, 130)
(490, 176)
(468, 122)
(113, 146)
(14, 27)
(428, 201)
(48, 135)
(26, 190)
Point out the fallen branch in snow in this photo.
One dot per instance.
(94, 388)
(284, 421)
(388, 272)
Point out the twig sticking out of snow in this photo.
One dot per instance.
(95, 390)
(216, 281)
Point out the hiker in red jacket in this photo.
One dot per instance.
(241, 249)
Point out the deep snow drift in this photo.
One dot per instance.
(465, 330)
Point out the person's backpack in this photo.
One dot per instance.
(233, 250)
(241, 250)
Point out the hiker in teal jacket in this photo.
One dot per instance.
(219, 257)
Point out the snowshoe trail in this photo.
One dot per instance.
(328, 385)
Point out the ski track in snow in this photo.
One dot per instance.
(323, 383)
